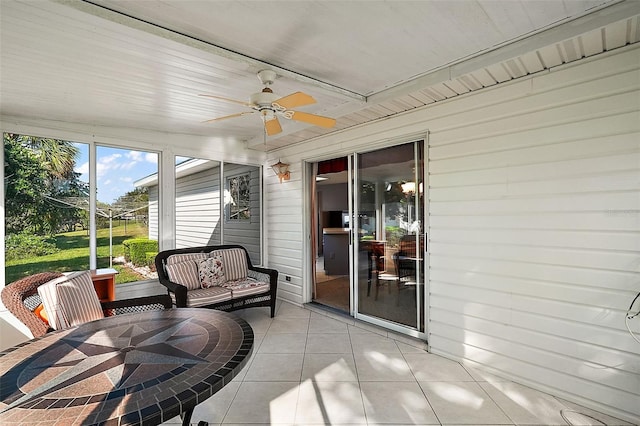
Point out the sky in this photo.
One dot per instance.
(117, 169)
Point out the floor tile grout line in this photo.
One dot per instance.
(355, 367)
(351, 334)
(513, 421)
(396, 342)
(226, 413)
(418, 384)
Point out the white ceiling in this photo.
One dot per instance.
(142, 64)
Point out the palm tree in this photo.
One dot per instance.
(56, 156)
(39, 172)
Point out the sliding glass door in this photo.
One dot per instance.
(388, 236)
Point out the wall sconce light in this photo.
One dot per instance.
(409, 188)
(281, 170)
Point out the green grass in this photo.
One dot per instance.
(74, 254)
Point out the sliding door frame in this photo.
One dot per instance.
(421, 297)
(308, 278)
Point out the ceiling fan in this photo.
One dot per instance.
(271, 106)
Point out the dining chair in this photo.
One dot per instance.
(21, 298)
(376, 260)
(406, 258)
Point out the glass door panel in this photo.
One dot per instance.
(388, 233)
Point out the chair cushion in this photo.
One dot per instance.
(205, 296)
(70, 300)
(184, 273)
(235, 263)
(245, 287)
(181, 257)
(211, 272)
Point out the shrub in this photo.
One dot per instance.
(20, 246)
(136, 249)
(151, 259)
(394, 233)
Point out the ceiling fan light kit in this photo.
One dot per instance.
(271, 106)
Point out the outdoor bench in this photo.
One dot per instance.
(219, 277)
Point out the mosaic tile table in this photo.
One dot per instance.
(124, 370)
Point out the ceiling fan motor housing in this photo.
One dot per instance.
(264, 99)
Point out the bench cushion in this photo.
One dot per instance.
(245, 287)
(184, 273)
(205, 296)
(182, 257)
(235, 263)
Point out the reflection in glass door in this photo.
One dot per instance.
(388, 235)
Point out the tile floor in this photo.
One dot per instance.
(310, 368)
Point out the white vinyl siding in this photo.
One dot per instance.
(535, 232)
(534, 226)
(153, 213)
(198, 209)
(284, 212)
(246, 233)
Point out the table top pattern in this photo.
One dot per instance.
(124, 370)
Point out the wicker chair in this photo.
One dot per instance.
(21, 299)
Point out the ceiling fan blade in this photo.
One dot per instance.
(272, 127)
(295, 100)
(228, 100)
(229, 116)
(316, 120)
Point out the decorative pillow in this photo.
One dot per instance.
(211, 272)
(184, 273)
(41, 313)
(70, 300)
(235, 263)
(179, 258)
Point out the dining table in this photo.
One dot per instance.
(132, 369)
